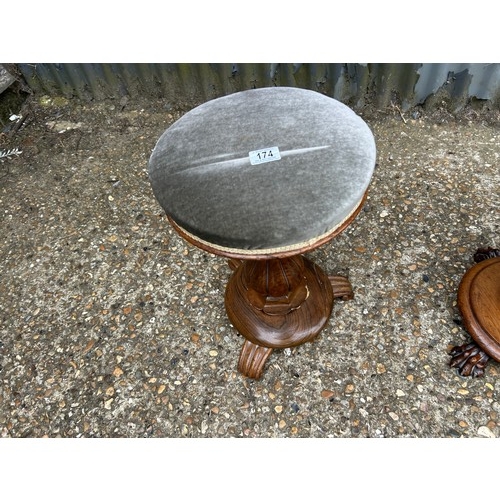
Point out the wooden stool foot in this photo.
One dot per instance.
(278, 303)
(469, 359)
(234, 264)
(252, 359)
(341, 287)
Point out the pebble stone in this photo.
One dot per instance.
(113, 326)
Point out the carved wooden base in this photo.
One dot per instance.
(279, 303)
(479, 304)
(252, 359)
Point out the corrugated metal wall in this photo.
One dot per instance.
(358, 85)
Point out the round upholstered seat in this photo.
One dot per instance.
(263, 172)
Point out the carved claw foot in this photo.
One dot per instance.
(486, 253)
(342, 288)
(469, 359)
(278, 303)
(252, 359)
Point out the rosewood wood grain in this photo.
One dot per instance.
(279, 303)
(469, 360)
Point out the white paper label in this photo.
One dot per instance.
(264, 155)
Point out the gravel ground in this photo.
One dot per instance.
(113, 326)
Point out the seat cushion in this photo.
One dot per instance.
(263, 170)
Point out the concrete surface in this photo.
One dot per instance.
(112, 326)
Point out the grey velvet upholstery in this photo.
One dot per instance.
(201, 174)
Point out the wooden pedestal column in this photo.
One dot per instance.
(279, 303)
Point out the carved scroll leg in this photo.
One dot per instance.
(342, 288)
(252, 359)
(469, 359)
